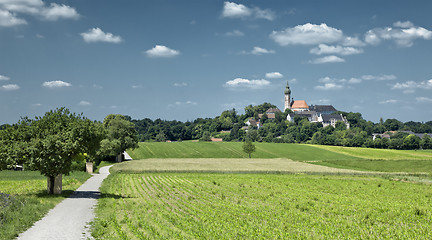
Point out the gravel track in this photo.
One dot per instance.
(70, 219)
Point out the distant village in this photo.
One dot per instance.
(324, 114)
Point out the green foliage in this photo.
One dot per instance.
(120, 135)
(261, 206)
(426, 142)
(248, 148)
(206, 137)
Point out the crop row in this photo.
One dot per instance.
(230, 206)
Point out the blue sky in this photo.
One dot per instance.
(180, 60)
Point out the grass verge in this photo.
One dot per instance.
(23, 199)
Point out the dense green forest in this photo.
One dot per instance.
(229, 126)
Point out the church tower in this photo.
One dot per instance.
(287, 97)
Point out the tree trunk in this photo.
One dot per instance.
(54, 184)
(119, 158)
(249, 155)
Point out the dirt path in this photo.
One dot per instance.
(70, 218)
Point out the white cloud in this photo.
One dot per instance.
(402, 33)
(329, 86)
(382, 77)
(234, 33)
(4, 78)
(260, 51)
(354, 80)
(406, 24)
(274, 75)
(339, 50)
(240, 83)
(8, 19)
(389, 101)
(182, 84)
(411, 86)
(327, 59)
(56, 84)
(137, 86)
(36, 105)
(160, 51)
(186, 103)
(97, 35)
(38, 8)
(10, 87)
(424, 100)
(56, 11)
(353, 41)
(307, 34)
(264, 14)
(84, 103)
(234, 10)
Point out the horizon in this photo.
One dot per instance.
(194, 59)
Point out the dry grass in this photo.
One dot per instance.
(223, 165)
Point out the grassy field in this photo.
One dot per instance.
(261, 206)
(364, 159)
(296, 152)
(23, 199)
(379, 154)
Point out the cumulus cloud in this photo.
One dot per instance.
(56, 84)
(97, 35)
(389, 101)
(182, 84)
(160, 51)
(329, 86)
(402, 33)
(8, 19)
(261, 51)
(424, 99)
(56, 11)
(234, 33)
(234, 10)
(307, 34)
(412, 86)
(10, 87)
(37, 8)
(4, 78)
(327, 59)
(241, 83)
(84, 103)
(339, 50)
(274, 75)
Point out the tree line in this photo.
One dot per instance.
(230, 127)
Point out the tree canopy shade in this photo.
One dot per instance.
(49, 143)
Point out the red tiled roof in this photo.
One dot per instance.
(299, 104)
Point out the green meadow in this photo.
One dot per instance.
(363, 159)
(23, 199)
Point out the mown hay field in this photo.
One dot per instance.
(225, 165)
(261, 206)
(23, 199)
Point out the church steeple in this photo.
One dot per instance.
(287, 97)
